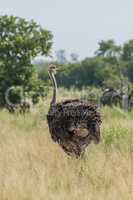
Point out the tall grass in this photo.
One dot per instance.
(32, 167)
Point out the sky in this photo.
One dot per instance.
(77, 25)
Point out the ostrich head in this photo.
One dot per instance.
(52, 72)
(52, 69)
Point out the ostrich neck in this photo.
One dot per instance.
(52, 77)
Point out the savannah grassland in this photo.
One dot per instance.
(32, 167)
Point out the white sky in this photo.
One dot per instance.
(77, 25)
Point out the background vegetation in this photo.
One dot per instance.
(20, 42)
(112, 65)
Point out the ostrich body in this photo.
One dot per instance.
(72, 123)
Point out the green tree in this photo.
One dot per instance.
(20, 42)
(108, 49)
(127, 54)
(129, 70)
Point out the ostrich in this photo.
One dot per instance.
(111, 97)
(72, 123)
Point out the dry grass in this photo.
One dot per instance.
(32, 167)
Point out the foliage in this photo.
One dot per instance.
(112, 65)
(127, 54)
(20, 42)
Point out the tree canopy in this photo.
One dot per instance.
(111, 65)
(20, 42)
